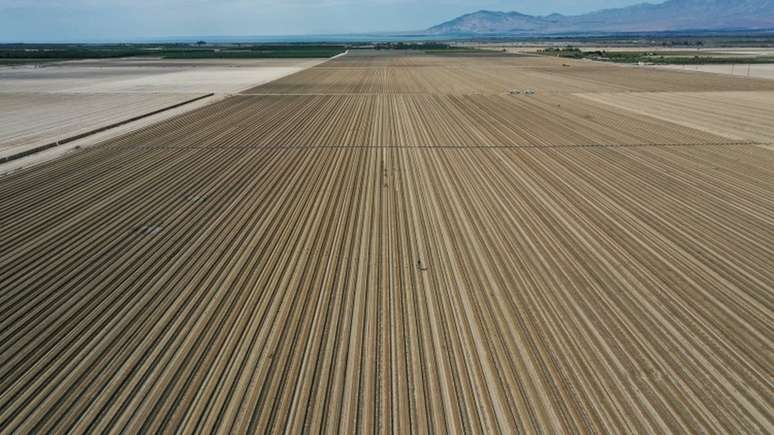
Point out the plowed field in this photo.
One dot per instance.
(409, 249)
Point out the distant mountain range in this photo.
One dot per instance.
(672, 15)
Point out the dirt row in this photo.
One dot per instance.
(495, 75)
(317, 264)
(30, 120)
(413, 121)
(410, 289)
(737, 115)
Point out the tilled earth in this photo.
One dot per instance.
(402, 243)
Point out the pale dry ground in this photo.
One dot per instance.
(46, 104)
(426, 263)
(762, 71)
(91, 140)
(32, 120)
(412, 120)
(149, 75)
(367, 73)
(739, 116)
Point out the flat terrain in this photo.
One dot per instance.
(493, 75)
(41, 105)
(396, 243)
(704, 51)
(744, 116)
(148, 75)
(32, 120)
(764, 71)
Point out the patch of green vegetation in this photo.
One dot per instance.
(67, 53)
(199, 50)
(279, 53)
(569, 52)
(412, 46)
(15, 62)
(654, 57)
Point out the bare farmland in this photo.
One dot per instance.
(359, 258)
(412, 120)
(493, 75)
(736, 115)
(43, 105)
(148, 75)
(32, 120)
(762, 71)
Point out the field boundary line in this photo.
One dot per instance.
(446, 147)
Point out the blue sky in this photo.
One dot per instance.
(72, 20)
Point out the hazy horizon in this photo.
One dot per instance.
(117, 20)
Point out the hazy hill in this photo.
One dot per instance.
(670, 15)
